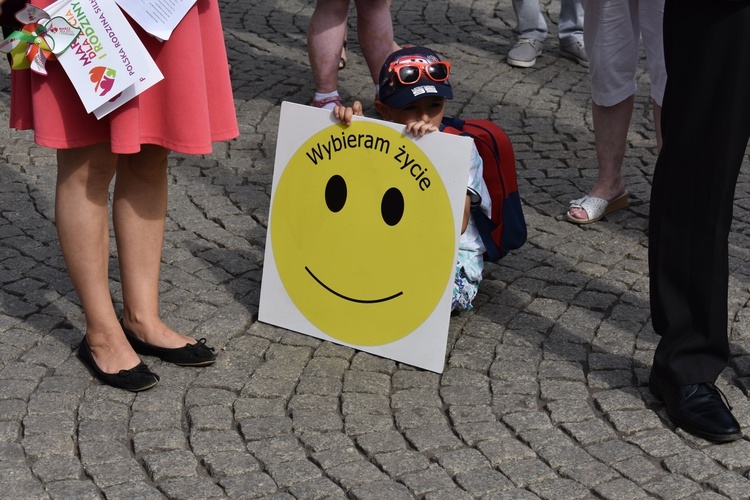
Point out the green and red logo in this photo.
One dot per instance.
(103, 79)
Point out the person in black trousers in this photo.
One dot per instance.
(705, 127)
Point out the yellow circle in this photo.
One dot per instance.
(362, 233)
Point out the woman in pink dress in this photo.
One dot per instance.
(131, 145)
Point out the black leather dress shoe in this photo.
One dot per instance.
(198, 354)
(698, 409)
(138, 378)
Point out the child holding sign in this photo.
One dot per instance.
(413, 91)
(131, 143)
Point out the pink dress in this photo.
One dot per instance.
(187, 111)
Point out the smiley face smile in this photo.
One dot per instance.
(360, 301)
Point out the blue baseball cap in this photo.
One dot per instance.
(396, 94)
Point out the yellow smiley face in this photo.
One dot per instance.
(362, 233)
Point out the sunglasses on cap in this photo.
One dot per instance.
(409, 72)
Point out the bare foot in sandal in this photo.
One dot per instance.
(592, 208)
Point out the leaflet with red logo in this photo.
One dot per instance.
(107, 64)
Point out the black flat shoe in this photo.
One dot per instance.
(698, 409)
(136, 379)
(198, 354)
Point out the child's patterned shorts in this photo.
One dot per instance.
(464, 291)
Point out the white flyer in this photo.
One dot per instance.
(107, 58)
(157, 17)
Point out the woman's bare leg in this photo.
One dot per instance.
(139, 213)
(82, 220)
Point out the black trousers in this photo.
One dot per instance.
(706, 126)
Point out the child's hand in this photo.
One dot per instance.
(344, 114)
(420, 128)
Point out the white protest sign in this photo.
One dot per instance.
(107, 57)
(363, 234)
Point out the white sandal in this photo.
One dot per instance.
(595, 208)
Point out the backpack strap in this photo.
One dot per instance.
(484, 223)
(485, 226)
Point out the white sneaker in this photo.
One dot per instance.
(524, 53)
(576, 52)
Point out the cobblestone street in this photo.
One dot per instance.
(544, 393)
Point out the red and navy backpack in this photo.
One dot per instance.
(505, 229)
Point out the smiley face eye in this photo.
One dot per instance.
(336, 193)
(392, 206)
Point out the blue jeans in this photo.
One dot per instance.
(531, 22)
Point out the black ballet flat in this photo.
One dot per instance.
(136, 379)
(198, 354)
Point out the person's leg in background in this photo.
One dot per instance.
(612, 34)
(531, 29)
(651, 16)
(325, 37)
(570, 26)
(375, 33)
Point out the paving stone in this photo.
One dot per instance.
(590, 431)
(431, 438)
(631, 421)
(108, 474)
(562, 489)
(286, 474)
(735, 455)
(419, 417)
(380, 442)
(398, 463)
(249, 485)
(425, 481)
(214, 417)
(191, 488)
(320, 487)
(170, 464)
(258, 407)
(83, 490)
(229, 463)
(383, 489)
(730, 484)
(503, 450)
(100, 430)
(337, 456)
(254, 429)
(483, 482)
(322, 441)
(672, 486)
(355, 425)
(476, 432)
(659, 443)
(461, 460)
(639, 469)
(448, 494)
(590, 474)
(275, 450)
(128, 491)
(356, 473)
(57, 468)
(525, 472)
(693, 465)
(613, 451)
(206, 442)
(620, 488)
(41, 445)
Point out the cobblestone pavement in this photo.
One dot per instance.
(544, 391)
